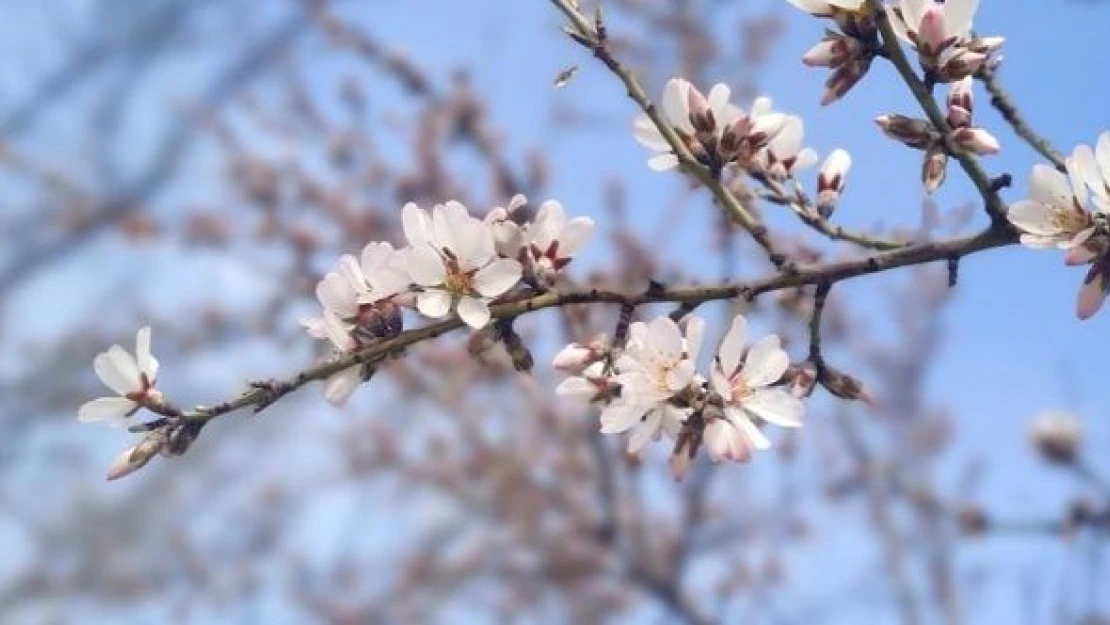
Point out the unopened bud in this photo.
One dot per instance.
(701, 116)
(831, 180)
(931, 33)
(843, 78)
(961, 64)
(915, 133)
(833, 51)
(845, 386)
(934, 168)
(1056, 436)
(961, 102)
(136, 457)
(802, 379)
(976, 140)
(573, 358)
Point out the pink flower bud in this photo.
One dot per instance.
(701, 116)
(833, 51)
(931, 33)
(573, 358)
(724, 441)
(976, 140)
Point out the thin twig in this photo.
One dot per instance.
(1002, 102)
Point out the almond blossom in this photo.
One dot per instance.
(743, 382)
(1057, 215)
(656, 367)
(553, 240)
(786, 155)
(132, 377)
(827, 8)
(715, 131)
(453, 259)
(940, 32)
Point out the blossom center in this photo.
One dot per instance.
(457, 282)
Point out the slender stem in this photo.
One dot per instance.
(1002, 102)
(263, 394)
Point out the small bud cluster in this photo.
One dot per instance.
(920, 134)
(848, 52)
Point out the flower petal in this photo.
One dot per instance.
(339, 386)
(416, 224)
(474, 312)
(111, 409)
(117, 370)
(574, 235)
(146, 361)
(619, 417)
(645, 132)
(766, 362)
(732, 346)
(663, 162)
(434, 303)
(497, 277)
(777, 406)
(425, 266)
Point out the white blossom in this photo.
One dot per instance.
(133, 378)
(656, 367)
(827, 8)
(786, 154)
(831, 181)
(508, 236)
(744, 384)
(453, 259)
(940, 32)
(553, 240)
(1055, 214)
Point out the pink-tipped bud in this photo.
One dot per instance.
(976, 140)
(916, 133)
(830, 182)
(701, 116)
(931, 35)
(843, 78)
(934, 169)
(573, 358)
(833, 51)
(961, 103)
(961, 64)
(726, 442)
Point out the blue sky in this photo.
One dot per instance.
(1012, 334)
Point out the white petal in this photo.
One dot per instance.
(574, 235)
(1034, 217)
(958, 15)
(417, 226)
(339, 386)
(680, 376)
(425, 266)
(720, 384)
(497, 277)
(474, 312)
(434, 303)
(336, 295)
(1102, 156)
(619, 417)
(663, 162)
(758, 438)
(777, 406)
(718, 103)
(788, 141)
(112, 409)
(676, 105)
(644, 131)
(766, 362)
(665, 339)
(694, 327)
(643, 433)
(146, 361)
(732, 345)
(576, 387)
(117, 370)
(1048, 186)
(804, 160)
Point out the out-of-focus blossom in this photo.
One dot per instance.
(133, 378)
(1056, 436)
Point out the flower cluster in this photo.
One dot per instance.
(718, 134)
(847, 53)
(1071, 211)
(941, 34)
(652, 388)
